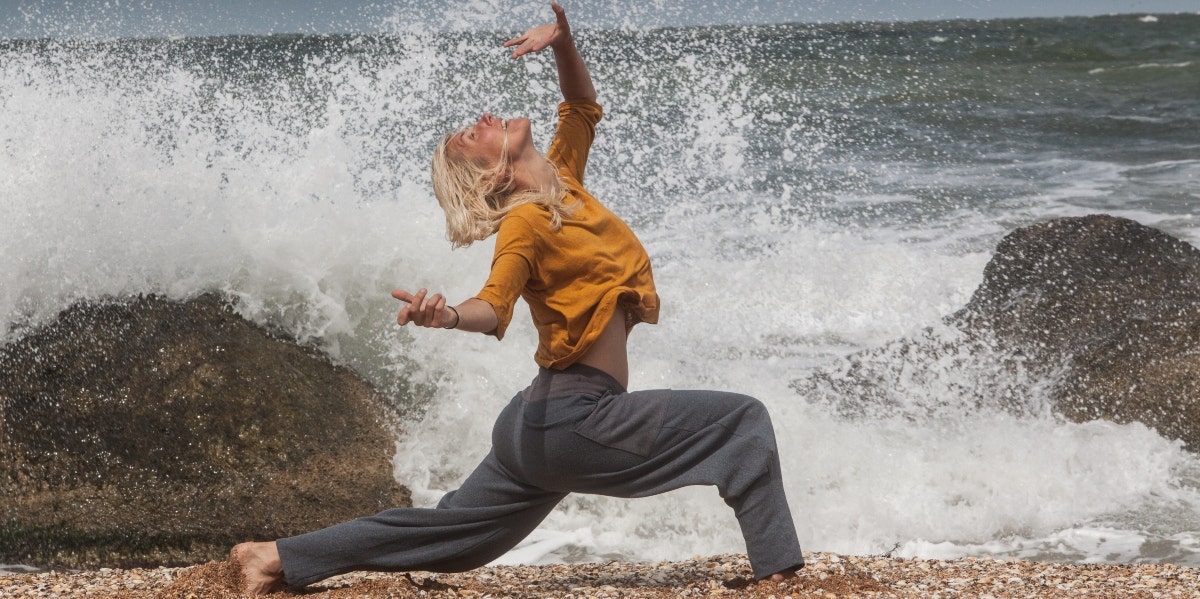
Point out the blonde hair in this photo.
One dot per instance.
(476, 199)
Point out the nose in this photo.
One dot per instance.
(487, 118)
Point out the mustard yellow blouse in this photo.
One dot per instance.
(573, 278)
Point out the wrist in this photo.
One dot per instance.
(565, 42)
(457, 318)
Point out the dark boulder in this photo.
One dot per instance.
(1093, 317)
(1109, 304)
(146, 431)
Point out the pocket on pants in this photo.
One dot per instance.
(628, 422)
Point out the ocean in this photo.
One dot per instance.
(805, 192)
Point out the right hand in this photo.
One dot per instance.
(424, 310)
(542, 36)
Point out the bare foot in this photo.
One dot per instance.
(782, 575)
(261, 569)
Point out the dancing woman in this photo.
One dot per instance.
(576, 429)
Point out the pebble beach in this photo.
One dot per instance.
(827, 576)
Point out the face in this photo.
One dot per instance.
(483, 142)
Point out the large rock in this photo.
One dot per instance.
(1094, 317)
(145, 431)
(1112, 305)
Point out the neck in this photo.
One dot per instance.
(531, 171)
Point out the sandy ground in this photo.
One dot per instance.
(827, 576)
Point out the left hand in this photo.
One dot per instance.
(424, 310)
(542, 36)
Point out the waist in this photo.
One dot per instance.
(577, 379)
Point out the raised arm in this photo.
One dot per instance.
(573, 77)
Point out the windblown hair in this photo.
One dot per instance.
(475, 199)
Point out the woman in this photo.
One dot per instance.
(587, 281)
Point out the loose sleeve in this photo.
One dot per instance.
(577, 121)
(512, 267)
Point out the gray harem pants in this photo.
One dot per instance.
(574, 431)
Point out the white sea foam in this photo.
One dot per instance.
(1162, 65)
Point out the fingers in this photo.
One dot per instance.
(433, 310)
(540, 37)
(411, 302)
(421, 309)
(536, 40)
(402, 295)
(522, 51)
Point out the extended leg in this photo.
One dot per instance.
(470, 527)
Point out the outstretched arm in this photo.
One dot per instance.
(573, 77)
(431, 311)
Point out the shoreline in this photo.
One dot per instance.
(827, 576)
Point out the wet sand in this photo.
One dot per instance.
(827, 576)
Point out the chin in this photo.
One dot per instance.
(520, 124)
(519, 132)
